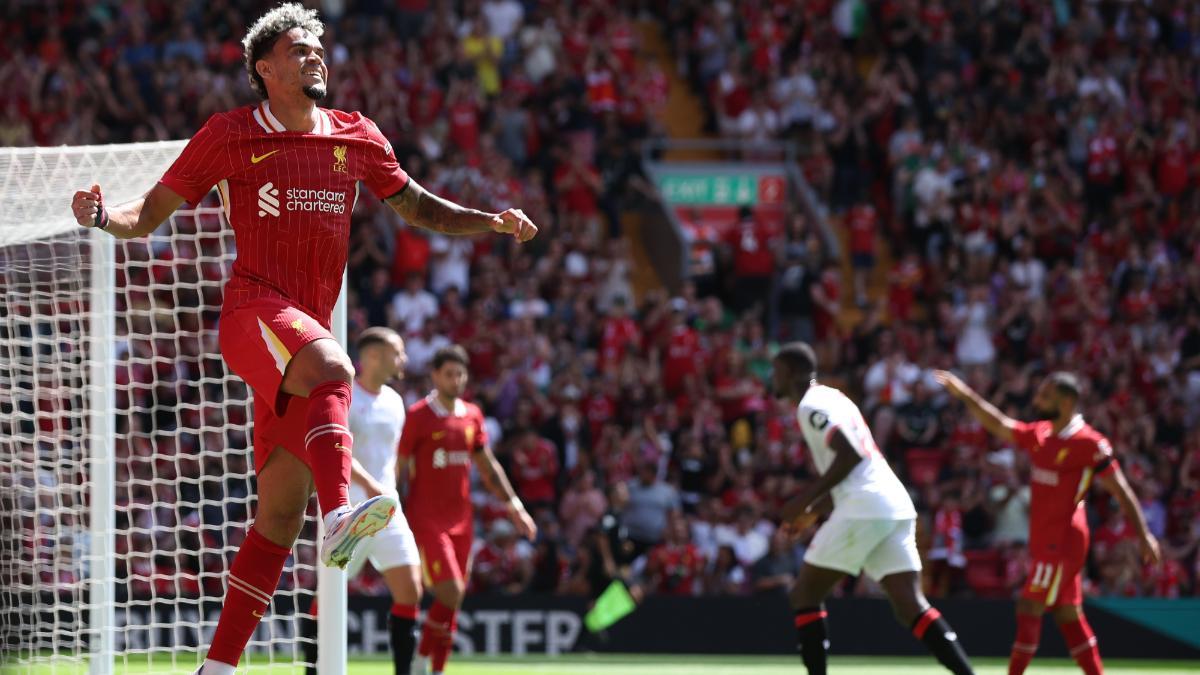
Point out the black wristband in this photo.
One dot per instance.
(102, 220)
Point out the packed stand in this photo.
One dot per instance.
(1026, 171)
(1030, 168)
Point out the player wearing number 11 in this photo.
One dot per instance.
(1065, 454)
(287, 173)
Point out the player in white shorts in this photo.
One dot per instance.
(872, 523)
(377, 415)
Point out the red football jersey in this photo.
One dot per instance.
(1062, 470)
(288, 196)
(679, 568)
(440, 445)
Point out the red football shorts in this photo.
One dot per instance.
(444, 555)
(258, 339)
(1056, 571)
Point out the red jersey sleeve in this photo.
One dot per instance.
(481, 436)
(1028, 435)
(1095, 454)
(205, 160)
(384, 176)
(409, 435)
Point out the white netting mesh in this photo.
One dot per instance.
(38, 182)
(183, 469)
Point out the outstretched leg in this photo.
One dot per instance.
(914, 612)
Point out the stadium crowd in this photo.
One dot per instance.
(1016, 185)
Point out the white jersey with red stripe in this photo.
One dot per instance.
(871, 491)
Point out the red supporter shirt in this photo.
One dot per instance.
(288, 196)
(536, 469)
(862, 221)
(678, 566)
(617, 334)
(464, 126)
(1173, 171)
(1102, 154)
(1061, 472)
(752, 253)
(440, 445)
(493, 568)
(682, 358)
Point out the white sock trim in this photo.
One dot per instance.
(328, 518)
(211, 667)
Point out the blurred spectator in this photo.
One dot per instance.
(582, 507)
(535, 469)
(676, 566)
(726, 576)
(413, 306)
(651, 501)
(748, 542)
(776, 571)
(504, 563)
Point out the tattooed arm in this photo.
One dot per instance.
(424, 209)
(497, 483)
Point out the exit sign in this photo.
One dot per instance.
(724, 189)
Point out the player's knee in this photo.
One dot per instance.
(334, 366)
(281, 526)
(1027, 606)
(456, 591)
(1066, 614)
(339, 370)
(319, 362)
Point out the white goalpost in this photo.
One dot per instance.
(126, 475)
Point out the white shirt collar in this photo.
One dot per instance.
(267, 120)
(435, 404)
(1072, 427)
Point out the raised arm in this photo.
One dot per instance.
(424, 209)
(1113, 481)
(497, 483)
(135, 218)
(997, 423)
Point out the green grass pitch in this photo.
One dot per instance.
(636, 664)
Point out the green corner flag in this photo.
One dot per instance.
(614, 604)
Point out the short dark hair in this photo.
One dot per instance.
(261, 37)
(450, 354)
(1065, 383)
(375, 335)
(799, 358)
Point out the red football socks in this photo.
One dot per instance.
(404, 611)
(441, 653)
(252, 581)
(1081, 642)
(437, 636)
(1029, 633)
(328, 443)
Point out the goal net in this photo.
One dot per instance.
(126, 480)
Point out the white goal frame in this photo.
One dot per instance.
(37, 184)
